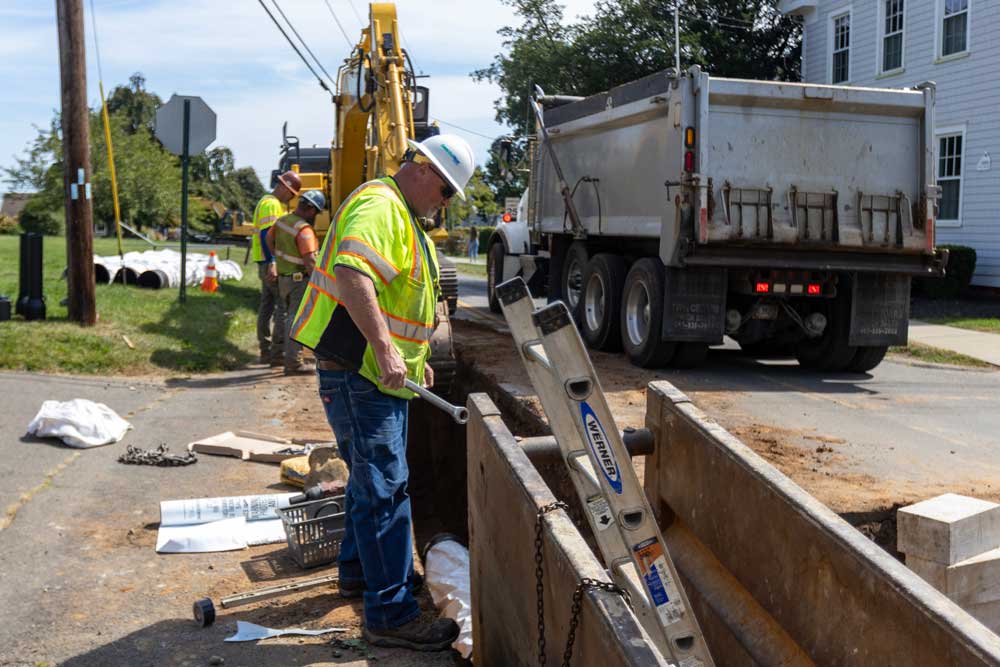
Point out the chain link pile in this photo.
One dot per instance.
(156, 457)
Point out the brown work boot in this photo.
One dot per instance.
(301, 369)
(416, 635)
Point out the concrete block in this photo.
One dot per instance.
(975, 581)
(932, 572)
(948, 529)
(987, 614)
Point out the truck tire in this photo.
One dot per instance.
(689, 354)
(571, 277)
(829, 352)
(494, 274)
(448, 279)
(642, 315)
(867, 358)
(601, 302)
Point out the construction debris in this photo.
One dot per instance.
(79, 423)
(250, 446)
(156, 457)
(248, 632)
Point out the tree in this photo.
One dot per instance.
(628, 39)
(478, 195)
(135, 103)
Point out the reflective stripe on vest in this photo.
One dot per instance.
(286, 249)
(399, 327)
(350, 245)
(260, 223)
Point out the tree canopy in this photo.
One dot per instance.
(149, 177)
(625, 40)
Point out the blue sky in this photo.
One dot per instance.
(229, 53)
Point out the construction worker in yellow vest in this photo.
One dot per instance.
(293, 244)
(368, 314)
(271, 206)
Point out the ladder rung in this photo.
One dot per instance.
(534, 350)
(580, 461)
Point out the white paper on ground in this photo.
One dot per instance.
(225, 535)
(446, 572)
(264, 532)
(203, 510)
(248, 632)
(78, 423)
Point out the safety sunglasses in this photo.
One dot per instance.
(447, 192)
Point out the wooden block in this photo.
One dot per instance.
(975, 581)
(948, 529)
(933, 573)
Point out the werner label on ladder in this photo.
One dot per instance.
(599, 465)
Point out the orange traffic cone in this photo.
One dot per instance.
(210, 283)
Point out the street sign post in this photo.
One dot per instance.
(185, 125)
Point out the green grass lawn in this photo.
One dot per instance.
(211, 332)
(936, 355)
(987, 324)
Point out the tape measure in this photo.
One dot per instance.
(204, 612)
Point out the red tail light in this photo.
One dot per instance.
(814, 289)
(507, 217)
(762, 288)
(689, 161)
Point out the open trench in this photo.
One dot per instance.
(437, 457)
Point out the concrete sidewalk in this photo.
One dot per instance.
(975, 344)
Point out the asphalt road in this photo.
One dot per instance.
(80, 582)
(913, 429)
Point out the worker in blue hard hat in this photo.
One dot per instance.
(293, 243)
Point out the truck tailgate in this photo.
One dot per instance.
(814, 166)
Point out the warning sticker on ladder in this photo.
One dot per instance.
(601, 512)
(662, 589)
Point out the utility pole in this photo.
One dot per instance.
(76, 162)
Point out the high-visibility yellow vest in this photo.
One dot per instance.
(286, 250)
(267, 212)
(375, 233)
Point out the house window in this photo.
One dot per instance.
(841, 48)
(892, 39)
(955, 29)
(950, 176)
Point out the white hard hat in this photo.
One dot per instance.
(451, 155)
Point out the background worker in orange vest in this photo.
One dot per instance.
(271, 207)
(293, 243)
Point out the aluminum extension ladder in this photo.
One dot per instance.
(616, 506)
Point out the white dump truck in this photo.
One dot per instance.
(788, 216)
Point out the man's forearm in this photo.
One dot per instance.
(357, 293)
(310, 262)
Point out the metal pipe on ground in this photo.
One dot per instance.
(131, 277)
(544, 449)
(153, 279)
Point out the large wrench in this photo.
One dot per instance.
(457, 412)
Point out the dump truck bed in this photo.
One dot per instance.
(772, 165)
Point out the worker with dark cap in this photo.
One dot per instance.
(271, 207)
(293, 244)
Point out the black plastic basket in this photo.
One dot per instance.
(314, 530)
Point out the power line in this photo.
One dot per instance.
(356, 15)
(278, 7)
(322, 83)
(463, 129)
(337, 21)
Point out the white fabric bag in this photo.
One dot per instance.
(79, 423)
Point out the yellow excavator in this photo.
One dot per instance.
(378, 106)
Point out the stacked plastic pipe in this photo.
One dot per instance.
(157, 269)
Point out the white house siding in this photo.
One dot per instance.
(968, 94)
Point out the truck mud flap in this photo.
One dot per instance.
(880, 309)
(694, 307)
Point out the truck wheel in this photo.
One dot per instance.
(829, 352)
(867, 358)
(689, 355)
(571, 281)
(600, 307)
(642, 315)
(494, 274)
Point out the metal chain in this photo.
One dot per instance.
(574, 619)
(539, 584)
(156, 457)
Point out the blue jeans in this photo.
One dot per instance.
(377, 548)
